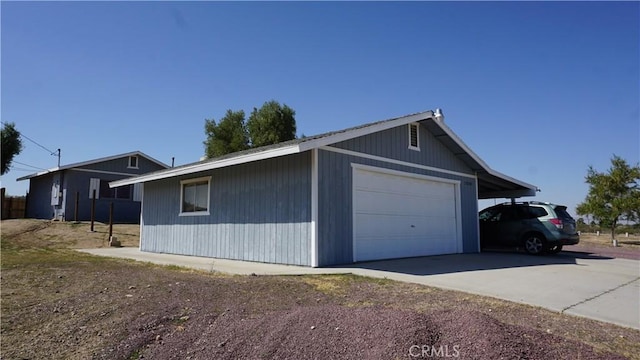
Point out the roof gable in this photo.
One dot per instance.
(89, 163)
(433, 121)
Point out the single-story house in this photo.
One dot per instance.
(402, 187)
(53, 193)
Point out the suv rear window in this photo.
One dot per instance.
(536, 212)
(561, 212)
(531, 212)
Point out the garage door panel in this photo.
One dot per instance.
(408, 247)
(377, 182)
(400, 226)
(396, 203)
(391, 226)
(402, 216)
(388, 203)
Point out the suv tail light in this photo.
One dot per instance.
(557, 223)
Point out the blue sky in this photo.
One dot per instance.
(539, 90)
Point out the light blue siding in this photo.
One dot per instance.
(335, 212)
(259, 211)
(394, 144)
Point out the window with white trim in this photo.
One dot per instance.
(133, 162)
(194, 196)
(414, 137)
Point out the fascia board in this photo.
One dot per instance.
(91, 162)
(207, 165)
(477, 159)
(347, 135)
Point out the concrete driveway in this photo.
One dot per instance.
(596, 287)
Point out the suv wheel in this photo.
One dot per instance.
(554, 249)
(534, 244)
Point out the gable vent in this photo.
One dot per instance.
(414, 139)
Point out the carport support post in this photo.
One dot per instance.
(113, 241)
(93, 207)
(110, 219)
(75, 209)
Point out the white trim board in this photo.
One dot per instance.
(404, 173)
(394, 161)
(102, 172)
(364, 130)
(314, 208)
(209, 165)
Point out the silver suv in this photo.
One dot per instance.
(538, 227)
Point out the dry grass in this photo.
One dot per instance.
(604, 239)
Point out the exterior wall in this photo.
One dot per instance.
(124, 210)
(259, 211)
(76, 180)
(120, 165)
(394, 144)
(335, 212)
(39, 197)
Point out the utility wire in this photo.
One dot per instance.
(50, 152)
(33, 141)
(35, 167)
(20, 169)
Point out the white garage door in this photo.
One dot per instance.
(398, 215)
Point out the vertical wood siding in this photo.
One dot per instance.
(394, 144)
(335, 212)
(124, 210)
(39, 197)
(121, 165)
(260, 211)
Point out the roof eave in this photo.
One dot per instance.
(365, 130)
(94, 161)
(507, 194)
(302, 146)
(521, 188)
(44, 172)
(208, 165)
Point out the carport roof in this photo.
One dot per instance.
(491, 184)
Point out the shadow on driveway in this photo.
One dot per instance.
(444, 264)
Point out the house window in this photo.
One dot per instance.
(414, 137)
(133, 162)
(194, 196)
(120, 192)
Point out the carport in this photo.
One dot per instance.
(491, 184)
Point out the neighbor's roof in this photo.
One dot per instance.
(91, 162)
(491, 184)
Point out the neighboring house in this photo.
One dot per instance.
(397, 188)
(52, 193)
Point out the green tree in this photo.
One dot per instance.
(230, 135)
(271, 124)
(613, 196)
(11, 145)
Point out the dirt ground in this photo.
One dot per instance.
(61, 304)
